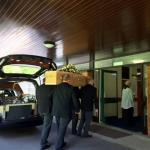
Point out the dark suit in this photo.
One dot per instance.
(75, 116)
(88, 97)
(44, 99)
(64, 102)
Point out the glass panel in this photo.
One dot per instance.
(109, 89)
(27, 87)
(110, 94)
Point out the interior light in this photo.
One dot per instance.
(20, 69)
(137, 61)
(49, 44)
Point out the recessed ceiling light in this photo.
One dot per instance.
(49, 44)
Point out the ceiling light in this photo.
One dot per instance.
(49, 44)
(137, 61)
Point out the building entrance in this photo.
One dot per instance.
(112, 80)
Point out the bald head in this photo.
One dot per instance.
(128, 83)
(91, 82)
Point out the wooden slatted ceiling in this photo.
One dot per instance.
(74, 22)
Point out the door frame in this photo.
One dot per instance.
(102, 101)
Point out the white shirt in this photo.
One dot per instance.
(127, 98)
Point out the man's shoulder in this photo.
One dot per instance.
(43, 86)
(89, 87)
(128, 89)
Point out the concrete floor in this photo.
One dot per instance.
(28, 139)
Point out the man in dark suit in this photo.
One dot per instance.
(64, 103)
(88, 97)
(44, 99)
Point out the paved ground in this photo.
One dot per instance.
(28, 139)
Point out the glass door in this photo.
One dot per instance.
(109, 94)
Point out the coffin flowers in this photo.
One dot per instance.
(70, 68)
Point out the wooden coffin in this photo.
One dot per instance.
(55, 77)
